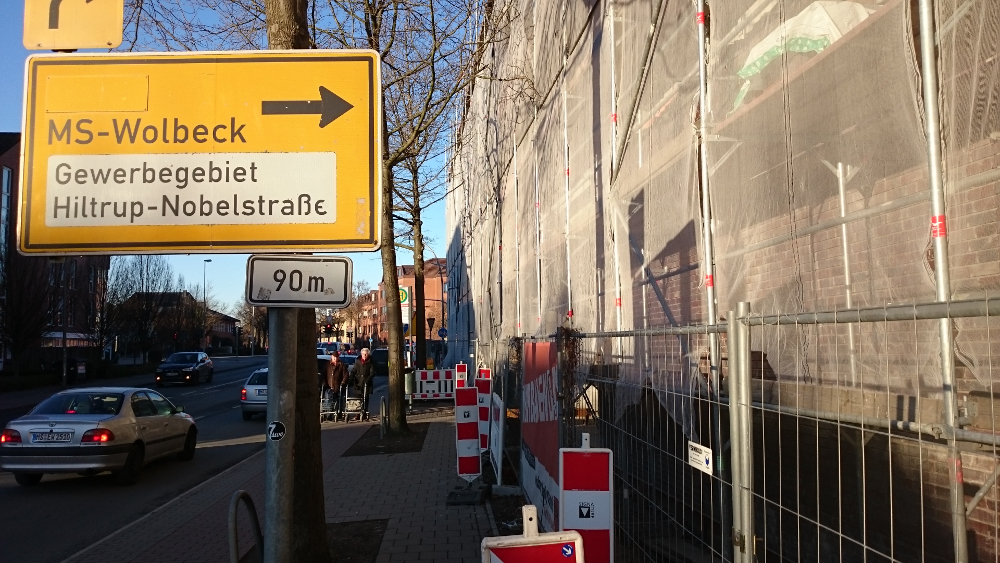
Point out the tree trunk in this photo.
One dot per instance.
(419, 291)
(394, 315)
(420, 317)
(287, 28)
(308, 503)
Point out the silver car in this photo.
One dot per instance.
(253, 398)
(91, 430)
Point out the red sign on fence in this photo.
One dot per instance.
(467, 433)
(586, 498)
(540, 432)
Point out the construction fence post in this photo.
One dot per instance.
(741, 434)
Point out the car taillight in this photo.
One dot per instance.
(243, 394)
(10, 436)
(97, 435)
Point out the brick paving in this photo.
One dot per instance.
(407, 489)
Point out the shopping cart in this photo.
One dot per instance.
(352, 406)
(329, 404)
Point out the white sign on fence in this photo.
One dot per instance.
(498, 417)
(700, 457)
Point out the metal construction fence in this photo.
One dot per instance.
(798, 474)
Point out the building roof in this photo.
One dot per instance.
(8, 140)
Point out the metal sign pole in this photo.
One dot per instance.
(278, 471)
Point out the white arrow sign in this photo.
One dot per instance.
(297, 281)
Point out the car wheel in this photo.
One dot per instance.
(190, 443)
(247, 415)
(28, 479)
(211, 374)
(129, 474)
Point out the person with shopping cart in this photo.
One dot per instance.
(364, 371)
(337, 379)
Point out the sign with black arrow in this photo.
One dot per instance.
(73, 24)
(201, 152)
(329, 107)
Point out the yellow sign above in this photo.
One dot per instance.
(73, 24)
(261, 151)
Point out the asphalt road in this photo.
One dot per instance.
(66, 513)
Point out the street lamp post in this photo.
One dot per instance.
(204, 295)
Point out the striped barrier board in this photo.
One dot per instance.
(461, 376)
(586, 498)
(484, 385)
(469, 463)
(434, 384)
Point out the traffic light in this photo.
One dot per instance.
(328, 329)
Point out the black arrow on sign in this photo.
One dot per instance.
(329, 107)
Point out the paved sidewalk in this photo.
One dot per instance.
(407, 489)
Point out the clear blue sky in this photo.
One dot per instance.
(227, 273)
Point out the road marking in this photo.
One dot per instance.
(162, 507)
(215, 413)
(255, 439)
(209, 389)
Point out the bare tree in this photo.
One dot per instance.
(106, 316)
(254, 322)
(23, 311)
(149, 279)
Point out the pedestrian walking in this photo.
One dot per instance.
(364, 371)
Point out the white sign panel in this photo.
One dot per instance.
(296, 281)
(700, 457)
(191, 189)
(498, 416)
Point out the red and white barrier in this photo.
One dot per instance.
(532, 547)
(484, 385)
(434, 384)
(461, 376)
(586, 498)
(467, 433)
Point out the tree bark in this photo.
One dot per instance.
(308, 503)
(394, 314)
(419, 291)
(287, 28)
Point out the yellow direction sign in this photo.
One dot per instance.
(73, 24)
(208, 152)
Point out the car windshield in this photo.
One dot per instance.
(81, 403)
(182, 358)
(259, 378)
(348, 360)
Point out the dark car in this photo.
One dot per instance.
(380, 359)
(185, 367)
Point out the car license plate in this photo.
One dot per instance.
(173, 373)
(262, 392)
(52, 437)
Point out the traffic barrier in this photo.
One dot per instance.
(434, 384)
(461, 375)
(532, 547)
(484, 385)
(469, 463)
(586, 498)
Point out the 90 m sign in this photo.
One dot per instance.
(299, 281)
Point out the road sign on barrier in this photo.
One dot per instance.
(296, 281)
(586, 498)
(201, 152)
(74, 24)
(467, 433)
(532, 547)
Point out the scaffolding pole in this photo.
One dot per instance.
(939, 235)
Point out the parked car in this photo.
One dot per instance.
(185, 367)
(330, 347)
(253, 397)
(348, 360)
(96, 429)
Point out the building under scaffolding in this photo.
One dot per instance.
(631, 173)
